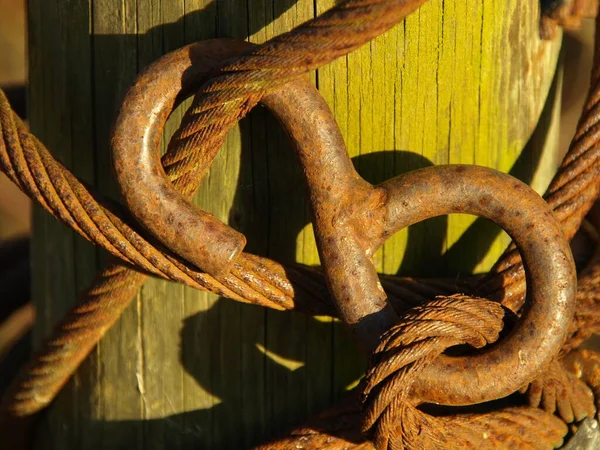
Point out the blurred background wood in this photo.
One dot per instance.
(16, 311)
(13, 66)
(457, 82)
(14, 206)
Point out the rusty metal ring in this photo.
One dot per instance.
(513, 362)
(352, 219)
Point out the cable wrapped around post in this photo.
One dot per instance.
(221, 102)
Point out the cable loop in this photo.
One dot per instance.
(352, 219)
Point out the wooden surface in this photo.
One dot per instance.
(12, 26)
(458, 82)
(14, 206)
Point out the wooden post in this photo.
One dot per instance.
(458, 82)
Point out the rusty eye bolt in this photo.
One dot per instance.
(353, 219)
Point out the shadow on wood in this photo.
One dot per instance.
(231, 375)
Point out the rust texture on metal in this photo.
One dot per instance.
(571, 194)
(568, 14)
(352, 219)
(551, 277)
(227, 97)
(560, 392)
(406, 350)
(208, 243)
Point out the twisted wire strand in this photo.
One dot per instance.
(389, 412)
(29, 164)
(391, 416)
(587, 312)
(17, 168)
(585, 365)
(510, 427)
(38, 174)
(241, 83)
(564, 196)
(422, 335)
(562, 388)
(40, 380)
(219, 105)
(557, 391)
(252, 280)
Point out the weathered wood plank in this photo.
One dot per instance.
(457, 82)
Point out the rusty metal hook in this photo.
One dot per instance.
(353, 218)
(195, 235)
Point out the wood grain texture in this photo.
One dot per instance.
(457, 82)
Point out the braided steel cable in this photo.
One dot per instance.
(568, 388)
(510, 427)
(40, 380)
(222, 101)
(559, 392)
(240, 84)
(67, 199)
(29, 165)
(391, 412)
(84, 207)
(392, 416)
(253, 279)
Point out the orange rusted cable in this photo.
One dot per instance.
(252, 279)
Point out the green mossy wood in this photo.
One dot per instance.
(458, 82)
